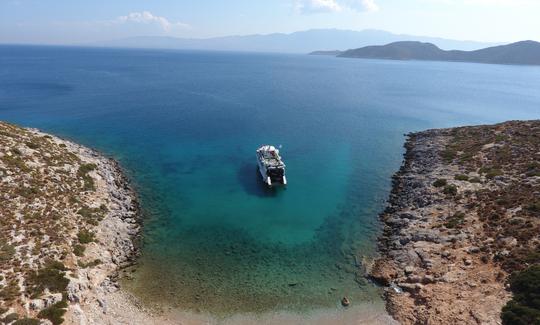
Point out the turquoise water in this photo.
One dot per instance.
(185, 125)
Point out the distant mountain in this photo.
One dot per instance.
(526, 52)
(298, 42)
(331, 53)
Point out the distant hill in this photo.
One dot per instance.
(525, 52)
(331, 53)
(298, 42)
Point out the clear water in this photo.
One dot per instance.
(186, 125)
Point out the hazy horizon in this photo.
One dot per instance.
(256, 34)
(62, 22)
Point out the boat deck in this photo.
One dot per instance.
(270, 159)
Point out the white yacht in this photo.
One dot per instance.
(271, 166)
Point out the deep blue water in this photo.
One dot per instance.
(185, 125)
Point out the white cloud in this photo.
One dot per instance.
(146, 17)
(325, 6)
(361, 5)
(316, 6)
(369, 5)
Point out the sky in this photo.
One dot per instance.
(81, 22)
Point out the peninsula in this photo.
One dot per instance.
(68, 223)
(462, 227)
(520, 53)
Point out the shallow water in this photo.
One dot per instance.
(186, 124)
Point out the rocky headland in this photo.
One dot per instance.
(69, 221)
(462, 223)
(524, 52)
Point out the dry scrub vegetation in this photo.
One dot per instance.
(462, 229)
(508, 157)
(48, 210)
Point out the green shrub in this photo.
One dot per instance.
(466, 157)
(456, 220)
(475, 180)
(51, 276)
(491, 172)
(448, 155)
(86, 212)
(15, 162)
(28, 192)
(10, 291)
(32, 145)
(86, 168)
(89, 184)
(88, 181)
(450, 189)
(92, 215)
(524, 308)
(78, 250)
(440, 182)
(6, 252)
(461, 177)
(85, 236)
(54, 313)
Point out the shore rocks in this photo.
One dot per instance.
(434, 239)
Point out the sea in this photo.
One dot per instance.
(185, 126)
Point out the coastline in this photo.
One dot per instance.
(92, 293)
(442, 260)
(445, 257)
(72, 189)
(118, 235)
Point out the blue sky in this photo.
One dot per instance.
(74, 21)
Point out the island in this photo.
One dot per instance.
(461, 238)
(519, 53)
(329, 53)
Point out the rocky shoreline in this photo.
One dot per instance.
(70, 223)
(461, 217)
(118, 237)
